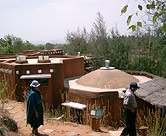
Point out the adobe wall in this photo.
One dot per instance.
(7, 74)
(108, 101)
(7, 56)
(70, 67)
(73, 67)
(143, 105)
(51, 92)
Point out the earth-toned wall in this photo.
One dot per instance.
(109, 102)
(51, 93)
(73, 67)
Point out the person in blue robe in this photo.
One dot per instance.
(34, 108)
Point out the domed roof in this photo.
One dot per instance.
(107, 79)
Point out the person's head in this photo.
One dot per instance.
(34, 84)
(134, 86)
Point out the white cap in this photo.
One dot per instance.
(34, 83)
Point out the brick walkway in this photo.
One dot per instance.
(52, 127)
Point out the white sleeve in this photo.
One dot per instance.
(126, 100)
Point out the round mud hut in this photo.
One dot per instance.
(103, 89)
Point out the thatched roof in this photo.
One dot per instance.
(153, 91)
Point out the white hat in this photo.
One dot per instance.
(34, 83)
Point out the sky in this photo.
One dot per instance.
(42, 21)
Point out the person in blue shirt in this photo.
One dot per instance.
(34, 108)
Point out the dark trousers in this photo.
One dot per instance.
(130, 123)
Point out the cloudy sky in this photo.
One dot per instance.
(50, 20)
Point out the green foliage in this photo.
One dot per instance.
(156, 15)
(139, 7)
(129, 19)
(154, 120)
(77, 42)
(49, 46)
(40, 47)
(139, 24)
(132, 27)
(124, 9)
(3, 86)
(135, 52)
(12, 44)
(2, 89)
(164, 27)
(153, 8)
(98, 39)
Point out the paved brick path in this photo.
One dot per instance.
(52, 127)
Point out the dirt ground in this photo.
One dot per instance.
(52, 127)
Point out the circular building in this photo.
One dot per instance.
(102, 89)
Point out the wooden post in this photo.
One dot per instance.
(95, 124)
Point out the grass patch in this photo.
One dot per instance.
(154, 119)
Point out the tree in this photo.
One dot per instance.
(2, 43)
(29, 45)
(49, 46)
(77, 42)
(13, 44)
(154, 8)
(40, 47)
(18, 45)
(98, 38)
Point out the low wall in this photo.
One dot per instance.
(109, 102)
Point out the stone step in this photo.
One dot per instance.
(115, 133)
(48, 131)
